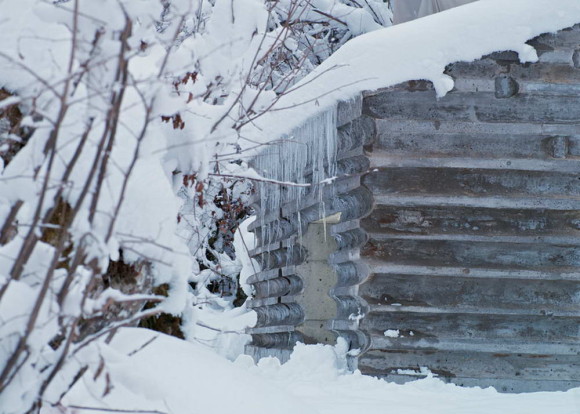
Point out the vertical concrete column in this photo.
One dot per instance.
(318, 278)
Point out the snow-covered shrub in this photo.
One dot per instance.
(298, 36)
(117, 105)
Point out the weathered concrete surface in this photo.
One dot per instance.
(300, 294)
(459, 226)
(320, 278)
(474, 241)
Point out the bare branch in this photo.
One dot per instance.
(114, 410)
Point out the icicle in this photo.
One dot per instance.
(310, 148)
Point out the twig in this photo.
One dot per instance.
(331, 17)
(115, 410)
(262, 179)
(142, 346)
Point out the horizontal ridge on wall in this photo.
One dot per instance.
(279, 314)
(278, 287)
(284, 219)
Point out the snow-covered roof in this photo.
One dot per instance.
(420, 49)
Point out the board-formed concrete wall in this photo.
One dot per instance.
(451, 235)
(299, 294)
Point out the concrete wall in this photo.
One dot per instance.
(300, 294)
(459, 228)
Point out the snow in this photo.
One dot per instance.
(391, 333)
(152, 371)
(176, 377)
(311, 146)
(244, 242)
(420, 49)
(146, 370)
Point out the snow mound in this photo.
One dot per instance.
(149, 371)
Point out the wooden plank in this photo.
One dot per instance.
(382, 159)
(501, 202)
(494, 346)
(378, 266)
(470, 255)
(548, 73)
(473, 129)
(474, 107)
(512, 385)
(476, 144)
(530, 328)
(475, 293)
(476, 365)
(467, 221)
(473, 182)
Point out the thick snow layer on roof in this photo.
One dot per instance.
(420, 49)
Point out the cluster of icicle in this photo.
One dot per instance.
(306, 160)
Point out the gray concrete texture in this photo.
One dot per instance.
(458, 226)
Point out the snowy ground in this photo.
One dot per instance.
(147, 371)
(175, 377)
(172, 376)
